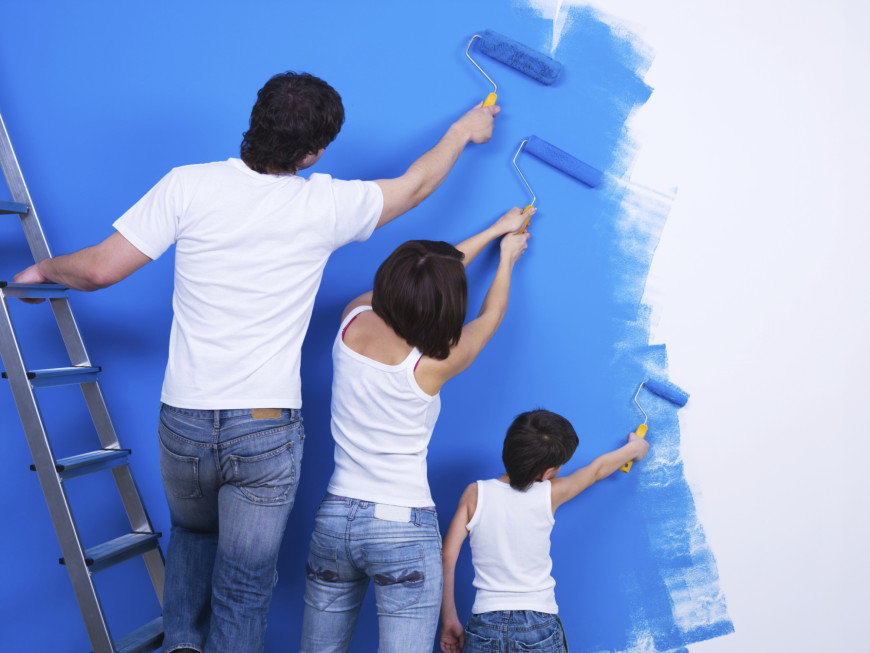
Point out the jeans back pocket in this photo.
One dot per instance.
(267, 477)
(543, 640)
(398, 573)
(180, 473)
(475, 643)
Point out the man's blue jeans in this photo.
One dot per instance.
(230, 481)
(514, 631)
(355, 541)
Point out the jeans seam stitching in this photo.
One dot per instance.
(256, 434)
(180, 438)
(347, 551)
(266, 455)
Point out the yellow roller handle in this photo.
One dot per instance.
(490, 100)
(641, 433)
(528, 217)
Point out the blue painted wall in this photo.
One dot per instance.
(101, 99)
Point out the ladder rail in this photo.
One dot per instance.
(18, 188)
(52, 488)
(131, 498)
(69, 331)
(39, 245)
(140, 523)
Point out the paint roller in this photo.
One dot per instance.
(516, 55)
(663, 389)
(559, 159)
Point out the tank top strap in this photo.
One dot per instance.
(478, 510)
(412, 359)
(351, 317)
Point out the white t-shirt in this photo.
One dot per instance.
(382, 422)
(250, 252)
(510, 548)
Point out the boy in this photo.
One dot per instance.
(509, 520)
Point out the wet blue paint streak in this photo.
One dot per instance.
(680, 601)
(633, 569)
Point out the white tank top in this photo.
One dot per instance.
(510, 548)
(381, 422)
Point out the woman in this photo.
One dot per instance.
(396, 347)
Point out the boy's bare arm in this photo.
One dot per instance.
(452, 632)
(426, 173)
(565, 488)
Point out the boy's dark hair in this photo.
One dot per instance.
(296, 114)
(421, 293)
(536, 441)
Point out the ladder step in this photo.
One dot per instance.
(61, 376)
(88, 463)
(34, 290)
(143, 639)
(13, 207)
(118, 550)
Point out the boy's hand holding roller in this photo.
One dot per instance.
(638, 443)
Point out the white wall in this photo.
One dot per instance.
(762, 294)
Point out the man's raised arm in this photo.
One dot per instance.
(426, 173)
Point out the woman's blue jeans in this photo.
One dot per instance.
(230, 482)
(514, 631)
(355, 541)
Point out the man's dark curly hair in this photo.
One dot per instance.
(296, 114)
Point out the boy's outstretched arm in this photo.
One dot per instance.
(426, 173)
(565, 488)
(452, 632)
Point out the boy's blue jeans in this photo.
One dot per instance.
(230, 482)
(351, 545)
(513, 631)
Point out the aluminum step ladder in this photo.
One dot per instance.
(81, 563)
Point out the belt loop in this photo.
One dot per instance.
(217, 420)
(354, 504)
(418, 513)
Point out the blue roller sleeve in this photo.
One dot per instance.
(563, 161)
(521, 57)
(667, 391)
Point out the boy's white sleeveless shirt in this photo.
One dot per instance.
(510, 548)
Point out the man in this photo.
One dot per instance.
(252, 239)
